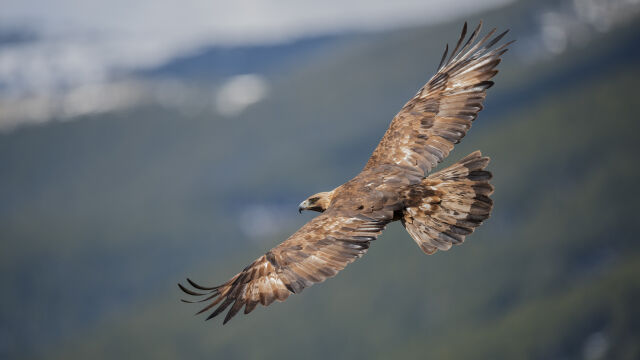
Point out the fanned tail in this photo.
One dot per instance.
(449, 204)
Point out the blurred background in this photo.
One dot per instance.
(144, 142)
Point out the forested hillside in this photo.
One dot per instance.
(102, 216)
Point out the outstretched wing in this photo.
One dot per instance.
(317, 251)
(424, 131)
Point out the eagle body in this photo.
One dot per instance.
(376, 192)
(437, 209)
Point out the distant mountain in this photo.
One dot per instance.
(222, 61)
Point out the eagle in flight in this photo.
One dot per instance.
(438, 210)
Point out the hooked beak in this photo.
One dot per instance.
(302, 206)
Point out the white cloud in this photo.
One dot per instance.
(85, 99)
(226, 21)
(84, 47)
(74, 65)
(84, 41)
(239, 92)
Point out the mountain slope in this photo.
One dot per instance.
(101, 216)
(552, 268)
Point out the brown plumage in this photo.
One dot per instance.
(438, 210)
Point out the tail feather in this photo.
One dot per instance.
(449, 204)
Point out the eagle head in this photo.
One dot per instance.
(318, 202)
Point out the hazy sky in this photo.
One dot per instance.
(137, 32)
(67, 68)
(238, 20)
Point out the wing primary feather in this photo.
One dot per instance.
(462, 36)
(496, 39)
(480, 43)
(499, 50)
(190, 292)
(199, 301)
(200, 286)
(250, 306)
(469, 42)
(212, 304)
(237, 305)
(220, 308)
(444, 56)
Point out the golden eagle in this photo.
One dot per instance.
(438, 210)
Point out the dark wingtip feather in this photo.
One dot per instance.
(503, 48)
(463, 34)
(212, 295)
(485, 84)
(237, 305)
(444, 56)
(190, 292)
(203, 310)
(465, 47)
(496, 39)
(193, 283)
(220, 308)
